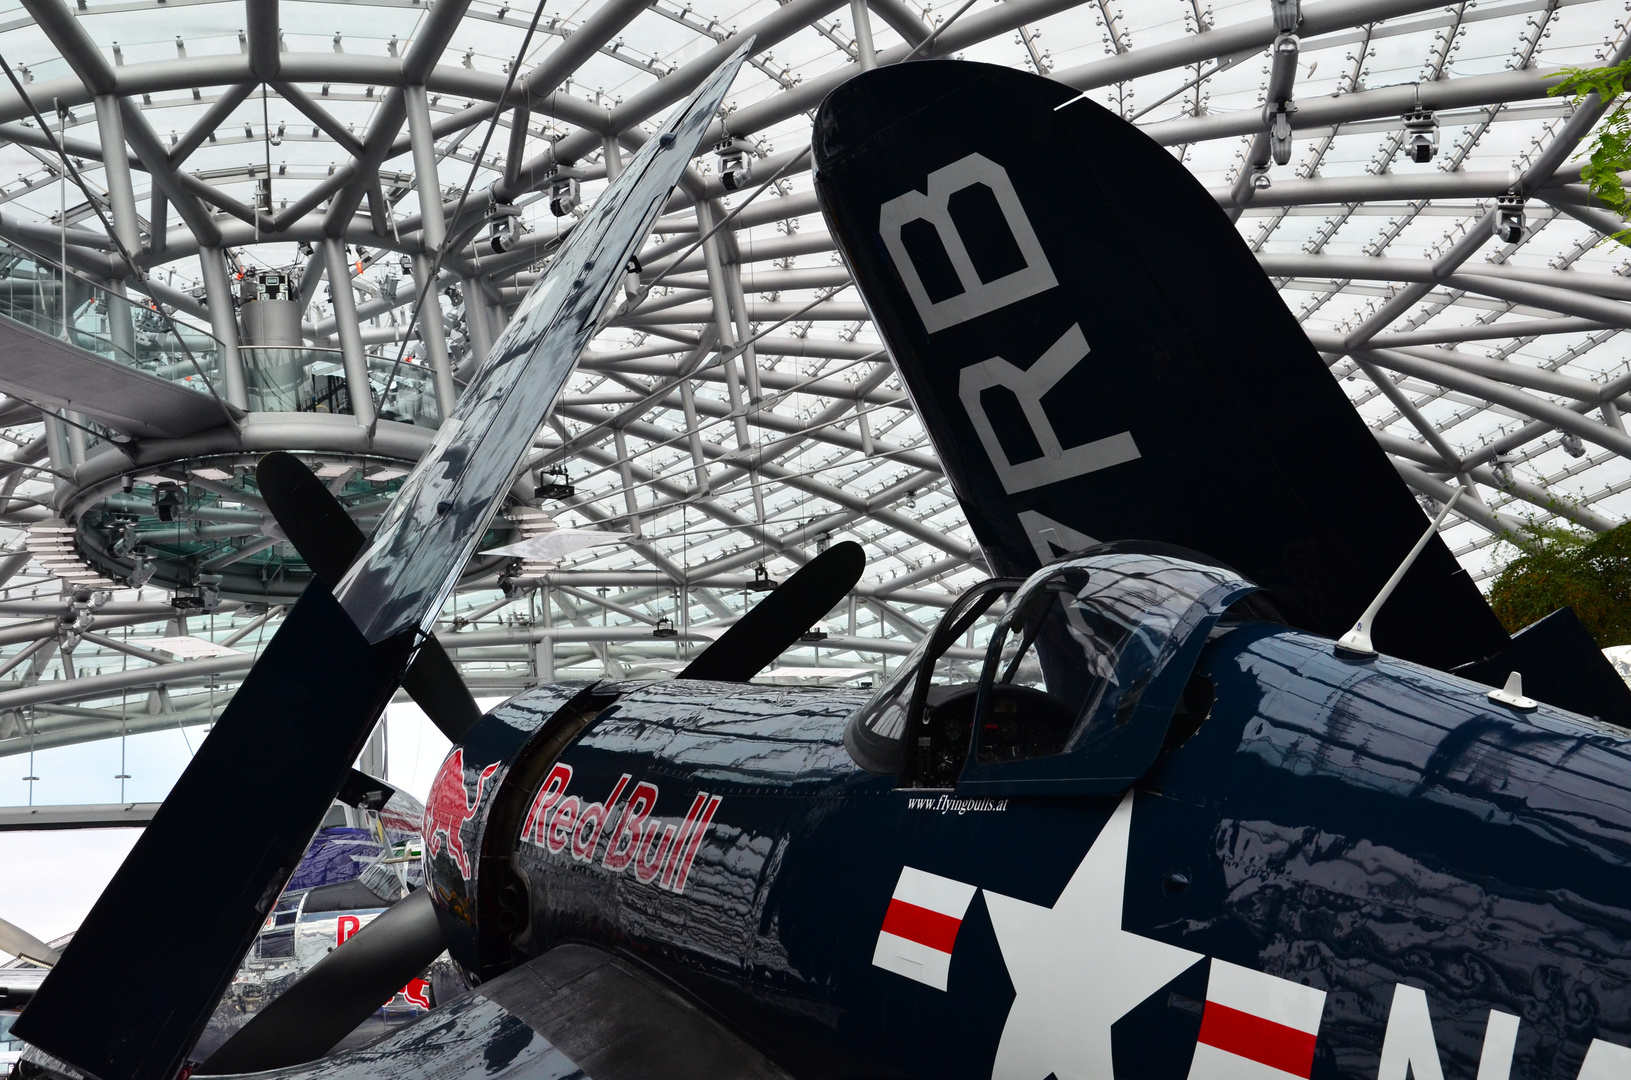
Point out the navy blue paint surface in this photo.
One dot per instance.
(1344, 825)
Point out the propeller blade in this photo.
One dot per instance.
(19, 942)
(309, 515)
(252, 796)
(258, 787)
(326, 537)
(434, 683)
(338, 993)
(781, 618)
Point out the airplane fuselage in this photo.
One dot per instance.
(1354, 864)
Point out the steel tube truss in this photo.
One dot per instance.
(739, 413)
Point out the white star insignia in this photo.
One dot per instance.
(1075, 970)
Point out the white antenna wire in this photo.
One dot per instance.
(1358, 640)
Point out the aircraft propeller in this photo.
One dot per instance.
(343, 988)
(258, 787)
(329, 541)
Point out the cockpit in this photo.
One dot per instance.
(1070, 680)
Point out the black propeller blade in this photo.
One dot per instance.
(337, 994)
(258, 788)
(251, 797)
(781, 618)
(326, 537)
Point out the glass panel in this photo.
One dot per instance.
(953, 651)
(39, 294)
(1080, 645)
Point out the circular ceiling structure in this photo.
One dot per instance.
(300, 225)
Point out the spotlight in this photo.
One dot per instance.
(506, 231)
(761, 580)
(564, 196)
(1421, 135)
(168, 501)
(735, 164)
(554, 484)
(1509, 219)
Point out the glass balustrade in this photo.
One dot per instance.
(313, 380)
(135, 332)
(132, 332)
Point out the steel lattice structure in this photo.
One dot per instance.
(1399, 166)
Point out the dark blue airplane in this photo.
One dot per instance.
(1165, 828)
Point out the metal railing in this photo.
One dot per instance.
(40, 294)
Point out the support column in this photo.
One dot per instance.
(545, 655)
(350, 333)
(224, 324)
(434, 335)
(719, 294)
(476, 320)
(77, 438)
(56, 450)
(121, 322)
(110, 127)
(744, 332)
(498, 320)
(425, 177)
(862, 18)
(310, 278)
(374, 759)
(612, 155)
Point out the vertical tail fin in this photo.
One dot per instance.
(1097, 355)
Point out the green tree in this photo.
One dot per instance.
(1558, 567)
(1609, 151)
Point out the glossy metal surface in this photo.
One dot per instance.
(1078, 389)
(474, 1038)
(1347, 826)
(433, 527)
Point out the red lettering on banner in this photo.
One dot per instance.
(347, 926)
(625, 839)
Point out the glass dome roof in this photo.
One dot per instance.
(258, 129)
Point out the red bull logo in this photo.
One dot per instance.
(450, 807)
(656, 850)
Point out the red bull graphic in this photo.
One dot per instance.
(450, 807)
(417, 992)
(657, 851)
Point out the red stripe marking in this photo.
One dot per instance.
(921, 925)
(1256, 1039)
